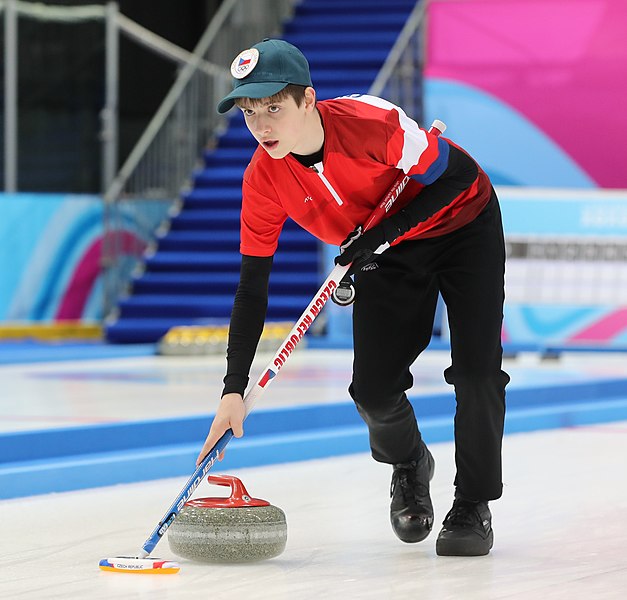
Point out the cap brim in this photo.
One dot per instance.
(250, 90)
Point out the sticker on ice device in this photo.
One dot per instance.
(244, 63)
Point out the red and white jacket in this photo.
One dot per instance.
(367, 143)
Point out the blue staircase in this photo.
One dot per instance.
(192, 277)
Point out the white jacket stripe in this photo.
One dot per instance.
(414, 138)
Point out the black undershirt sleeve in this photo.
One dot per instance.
(458, 176)
(247, 319)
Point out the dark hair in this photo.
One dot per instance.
(291, 90)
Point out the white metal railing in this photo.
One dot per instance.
(400, 77)
(115, 24)
(12, 10)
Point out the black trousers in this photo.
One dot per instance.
(392, 324)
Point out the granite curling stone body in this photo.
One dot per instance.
(228, 530)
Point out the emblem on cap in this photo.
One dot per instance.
(244, 63)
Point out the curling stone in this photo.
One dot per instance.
(228, 530)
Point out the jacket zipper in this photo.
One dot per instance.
(319, 169)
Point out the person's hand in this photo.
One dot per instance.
(230, 415)
(359, 247)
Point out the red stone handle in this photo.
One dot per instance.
(239, 497)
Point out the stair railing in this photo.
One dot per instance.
(151, 179)
(400, 77)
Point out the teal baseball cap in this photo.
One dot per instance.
(264, 70)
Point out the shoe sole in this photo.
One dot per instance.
(461, 547)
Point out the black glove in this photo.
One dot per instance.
(359, 248)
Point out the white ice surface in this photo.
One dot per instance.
(560, 533)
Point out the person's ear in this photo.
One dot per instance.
(310, 99)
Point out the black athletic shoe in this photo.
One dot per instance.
(411, 511)
(467, 530)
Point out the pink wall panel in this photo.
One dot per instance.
(560, 63)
